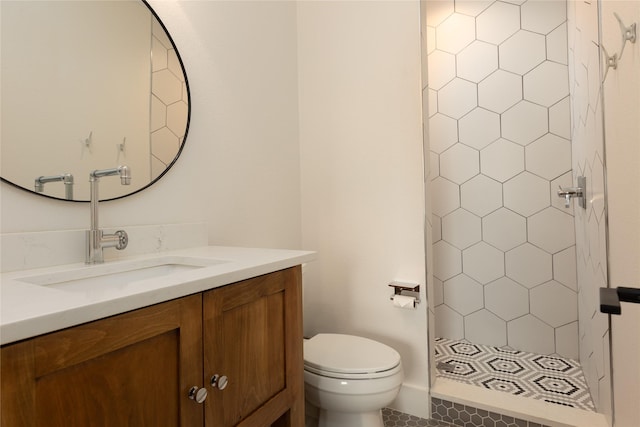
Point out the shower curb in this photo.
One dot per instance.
(394, 418)
(469, 416)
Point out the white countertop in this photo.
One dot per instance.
(27, 309)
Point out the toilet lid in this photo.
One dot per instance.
(348, 354)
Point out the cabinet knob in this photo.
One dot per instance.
(220, 381)
(198, 394)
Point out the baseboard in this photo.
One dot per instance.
(412, 400)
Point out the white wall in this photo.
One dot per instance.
(361, 163)
(622, 109)
(360, 152)
(239, 169)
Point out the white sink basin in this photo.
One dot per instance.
(90, 279)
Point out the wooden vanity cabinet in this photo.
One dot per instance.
(136, 369)
(127, 370)
(253, 336)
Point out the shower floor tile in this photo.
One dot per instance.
(548, 378)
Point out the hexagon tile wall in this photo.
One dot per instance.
(588, 156)
(499, 126)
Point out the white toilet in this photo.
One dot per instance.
(349, 379)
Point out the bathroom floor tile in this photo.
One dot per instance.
(548, 378)
(393, 418)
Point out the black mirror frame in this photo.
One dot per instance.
(184, 139)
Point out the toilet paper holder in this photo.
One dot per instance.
(407, 289)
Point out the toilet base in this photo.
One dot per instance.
(344, 419)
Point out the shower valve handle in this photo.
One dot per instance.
(570, 192)
(578, 192)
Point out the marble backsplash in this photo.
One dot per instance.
(22, 251)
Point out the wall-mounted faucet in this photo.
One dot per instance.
(66, 178)
(96, 239)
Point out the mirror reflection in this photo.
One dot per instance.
(88, 85)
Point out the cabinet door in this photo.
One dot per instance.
(133, 369)
(253, 336)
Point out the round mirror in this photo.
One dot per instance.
(88, 85)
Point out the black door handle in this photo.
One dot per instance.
(610, 298)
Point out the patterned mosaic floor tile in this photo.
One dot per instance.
(548, 378)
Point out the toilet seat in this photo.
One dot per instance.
(349, 357)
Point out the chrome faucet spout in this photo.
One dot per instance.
(123, 171)
(65, 178)
(96, 239)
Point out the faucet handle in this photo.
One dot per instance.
(567, 193)
(123, 239)
(570, 192)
